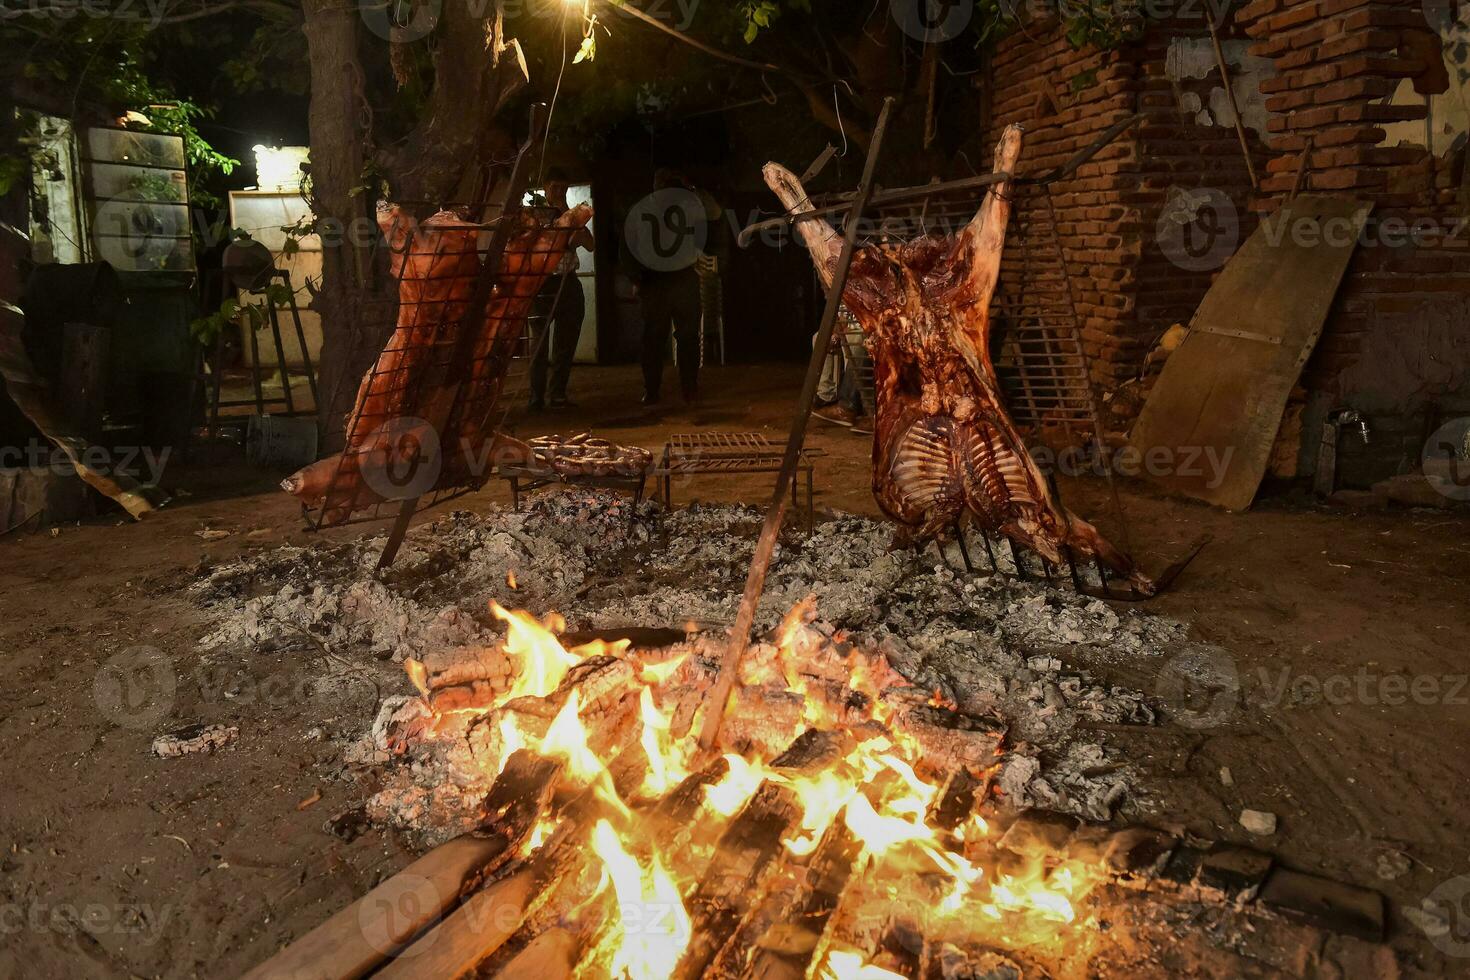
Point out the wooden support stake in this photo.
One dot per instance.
(361, 936)
(473, 931)
(714, 711)
(1245, 151)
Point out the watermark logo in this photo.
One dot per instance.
(932, 21)
(666, 230)
(136, 687)
(1446, 917)
(149, 12)
(1198, 229)
(1363, 686)
(1200, 687)
(405, 459)
(39, 454)
(141, 923)
(1446, 459)
(401, 21)
(397, 910)
(145, 235)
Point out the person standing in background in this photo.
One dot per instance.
(554, 343)
(669, 288)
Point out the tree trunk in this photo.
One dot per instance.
(356, 302)
(442, 161)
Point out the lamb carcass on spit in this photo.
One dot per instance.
(417, 378)
(944, 449)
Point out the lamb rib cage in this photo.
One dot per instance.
(945, 451)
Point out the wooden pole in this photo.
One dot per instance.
(360, 937)
(755, 582)
(1301, 171)
(1245, 151)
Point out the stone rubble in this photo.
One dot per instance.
(1020, 650)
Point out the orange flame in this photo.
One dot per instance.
(875, 792)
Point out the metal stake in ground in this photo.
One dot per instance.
(714, 711)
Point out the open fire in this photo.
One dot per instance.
(841, 814)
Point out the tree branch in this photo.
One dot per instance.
(708, 49)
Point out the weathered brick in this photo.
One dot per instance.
(1293, 16)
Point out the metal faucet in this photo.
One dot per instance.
(1341, 417)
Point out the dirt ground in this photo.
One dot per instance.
(1346, 633)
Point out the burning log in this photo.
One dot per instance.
(779, 940)
(747, 850)
(615, 855)
(549, 956)
(944, 449)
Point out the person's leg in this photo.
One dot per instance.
(831, 372)
(543, 309)
(655, 339)
(566, 331)
(540, 343)
(686, 326)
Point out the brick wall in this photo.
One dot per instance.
(1350, 74)
(1127, 290)
(1353, 76)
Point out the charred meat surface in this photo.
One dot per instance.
(945, 451)
(417, 399)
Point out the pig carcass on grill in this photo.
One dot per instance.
(944, 449)
(423, 396)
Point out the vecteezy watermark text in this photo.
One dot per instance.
(140, 920)
(1204, 688)
(41, 455)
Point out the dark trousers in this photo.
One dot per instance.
(566, 308)
(671, 303)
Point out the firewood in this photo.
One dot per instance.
(901, 948)
(477, 928)
(962, 795)
(554, 879)
(777, 942)
(550, 956)
(948, 740)
(361, 936)
(745, 854)
(383, 922)
(948, 961)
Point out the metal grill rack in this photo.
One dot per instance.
(691, 453)
(426, 406)
(1036, 341)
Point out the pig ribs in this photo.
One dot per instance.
(945, 451)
